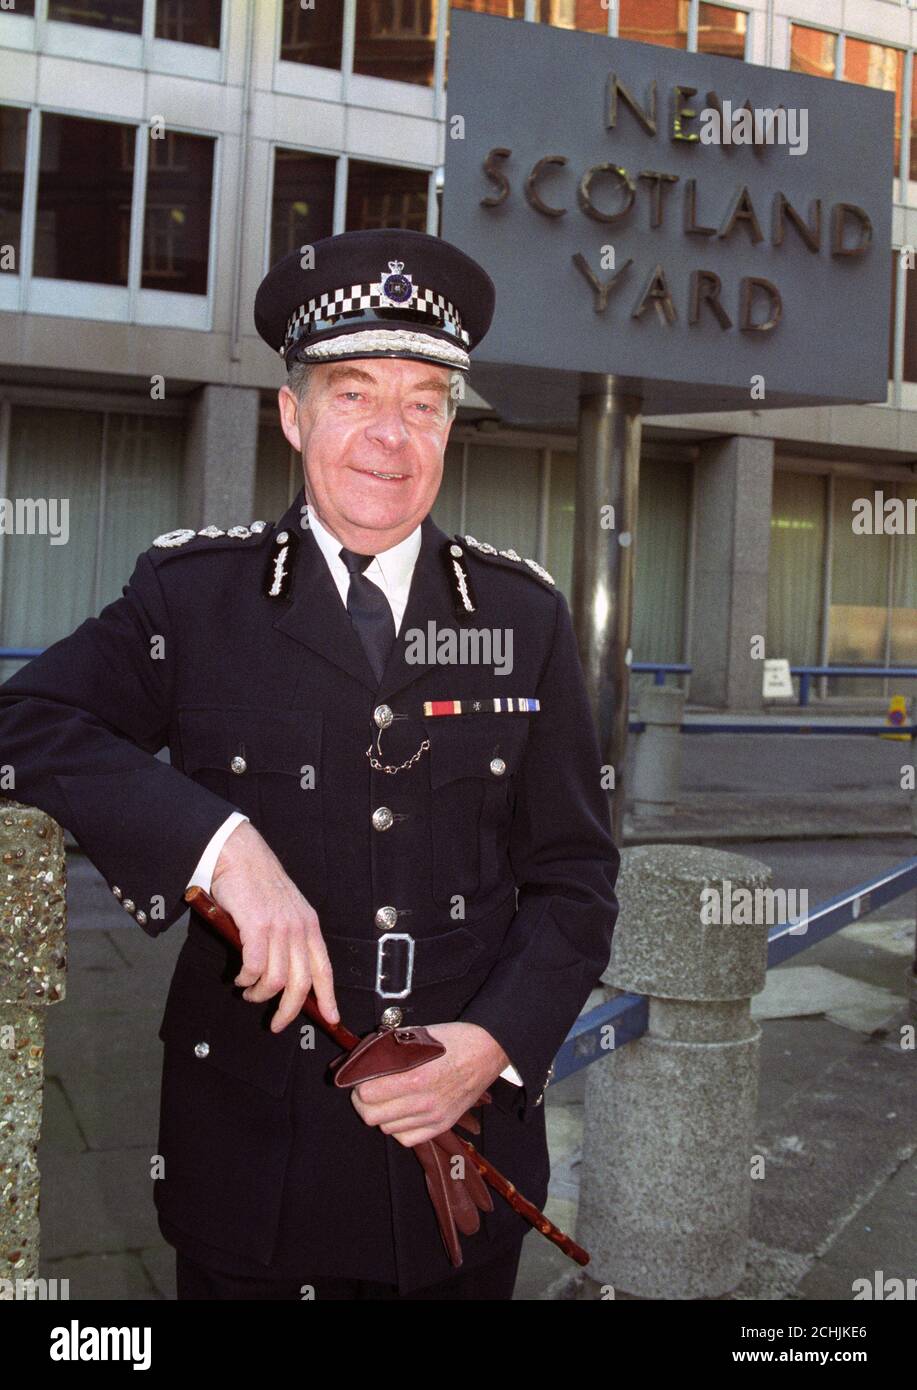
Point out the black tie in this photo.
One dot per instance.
(369, 611)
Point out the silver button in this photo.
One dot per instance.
(456, 552)
(382, 716)
(202, 1049)
(497, 767)
(117, 892)
(382, 818)
(386, 918)
(238, 764)
(391, 1018)
(141, 917)
(128, 905)
(281, 538)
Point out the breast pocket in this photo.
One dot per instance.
(473, 770)
(267, 762)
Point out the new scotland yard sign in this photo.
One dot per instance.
(716, 234)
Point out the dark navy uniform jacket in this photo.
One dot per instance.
(505, 880)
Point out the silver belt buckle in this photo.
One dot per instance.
(380, 961)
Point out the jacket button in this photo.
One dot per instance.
(386, 918)
(202, 1049)
(382, 716)
(128, 905)
(497, 767)
(382, 818)
(238, 764)
(117, 892)
(391, 1018)
(140, 916)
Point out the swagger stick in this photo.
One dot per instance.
(217, 917)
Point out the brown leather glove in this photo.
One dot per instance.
(457, 1190)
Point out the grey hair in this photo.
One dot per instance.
(299, 378)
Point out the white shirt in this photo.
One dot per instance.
(392, 570)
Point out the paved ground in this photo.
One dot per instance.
(837, 1107)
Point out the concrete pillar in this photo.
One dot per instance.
(33, 964)
(669, 1119)
(220, 457)
(657, 764)
(733, 499)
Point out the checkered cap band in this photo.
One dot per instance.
(352, 298)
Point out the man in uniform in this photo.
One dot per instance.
(384, 767)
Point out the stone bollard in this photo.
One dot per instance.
(669, 1119)
(33, 965)
(657, 759)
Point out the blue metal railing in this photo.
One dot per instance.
(661, 669)
(805, 674)
(621, 1020)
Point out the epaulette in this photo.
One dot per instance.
(171, 540)
(490, 552)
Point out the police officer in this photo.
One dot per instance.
(383, 766)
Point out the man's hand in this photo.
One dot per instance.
(282, 946)
(420, 1104)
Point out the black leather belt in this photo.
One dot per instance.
(396, 963)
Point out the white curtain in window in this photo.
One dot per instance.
(859, 591)
(142, 491)
(272, 475)
(48, 589)
(502, 497)
(795, 567)
(663, 508)
(904, 598)
(447, 509)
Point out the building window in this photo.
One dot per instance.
(13, 128)
(121, 476)
(655, 21)
(122, 16)
(721, 31)
(909, 371)
(302, 208)
(812, 51)
(383, 195)
(795, 572)
(396, 39)
(176, 228)
(507, 9)
(189, 21)
(875, 65)
(858, 623)
(85, 181)
(591, 16)
(312, 36)
(912, 172)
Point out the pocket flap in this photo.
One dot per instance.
(267, 740)
(209, 1021)
(488, 746)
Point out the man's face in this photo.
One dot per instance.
(372, 434)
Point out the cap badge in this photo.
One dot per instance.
(397, 289)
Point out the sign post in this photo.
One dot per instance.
(607, 477)
(677, 230)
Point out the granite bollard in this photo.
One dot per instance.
(33, 964)
(669, 1119)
